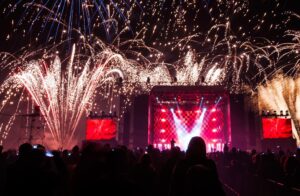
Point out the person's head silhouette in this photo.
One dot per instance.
(25, 149)
(196, 148)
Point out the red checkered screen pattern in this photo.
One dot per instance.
(207, 120)
(100, 129)
(277, 128)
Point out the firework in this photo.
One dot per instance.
(279, 88)
(282, 93)
(142, 40)
(67, 18)
(63, 96)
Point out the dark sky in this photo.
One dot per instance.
(167, 28)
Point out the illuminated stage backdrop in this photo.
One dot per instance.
(180, 113)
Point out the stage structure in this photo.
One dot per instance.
(34, 125)
(180, 112)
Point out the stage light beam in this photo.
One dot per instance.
(183, 135)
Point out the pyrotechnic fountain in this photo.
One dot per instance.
(282, 93)
(64, 95)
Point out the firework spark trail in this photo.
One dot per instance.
(65, 16)
(222, 64)
(279, 87)
(9, 123)
(289, 54)
(89, 16)
(63, 97)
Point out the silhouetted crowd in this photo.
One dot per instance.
(102, 170)
(265, 173)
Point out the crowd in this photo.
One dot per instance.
(253, 173)
(104, 170)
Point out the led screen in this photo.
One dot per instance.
(100, 129)
(176, 114)
(276, 128)
(182, 123)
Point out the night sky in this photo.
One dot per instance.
(144, 16)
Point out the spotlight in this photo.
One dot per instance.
(163, 110)
(214, 130)
(177, 120)
(179, 111)
(157, 100)
(214, 119)
(281, 112)
(162, 130)
(183, 134)
(213, 110)
(163, 120)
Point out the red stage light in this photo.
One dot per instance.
(215, 130)
(179, 111)
(163, 110)
(163, 120)
(163, 131)
(214, 109)
(198, 111)
(214, 119)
